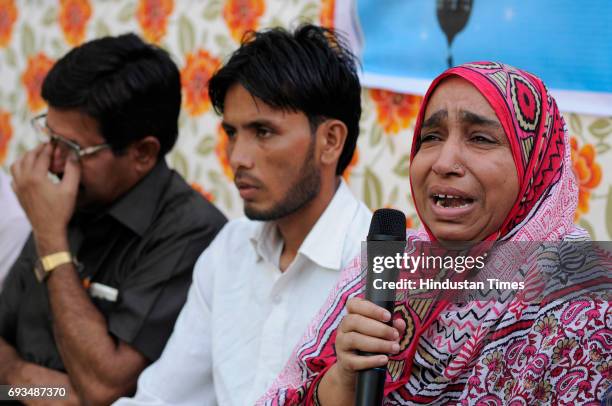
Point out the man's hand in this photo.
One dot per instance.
(16, 372)
(48, 205)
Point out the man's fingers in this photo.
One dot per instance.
(18, 172)
(368, 326)
(41, 147)
(366, 308)
(72, 174)
(356, 362)
(25, 164)
(43, 158)
(29, 158)
(15, 172)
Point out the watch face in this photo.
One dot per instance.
(39, 272)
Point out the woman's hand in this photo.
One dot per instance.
(363, 329)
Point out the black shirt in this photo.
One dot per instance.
(145, 246)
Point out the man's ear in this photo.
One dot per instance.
(333, 135)
(144, 153)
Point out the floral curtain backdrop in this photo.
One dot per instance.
(200, 35)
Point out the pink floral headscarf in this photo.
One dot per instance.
(548, 195)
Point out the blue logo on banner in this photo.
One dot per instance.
(566, 43)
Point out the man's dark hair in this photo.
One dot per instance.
(130, 87)
(310, 70)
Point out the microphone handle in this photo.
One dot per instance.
(371, 382)
(370, 387)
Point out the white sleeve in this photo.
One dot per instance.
(14, 227)
(183, 373)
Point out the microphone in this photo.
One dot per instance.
(387, 225)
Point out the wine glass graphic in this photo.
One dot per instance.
(453, 16)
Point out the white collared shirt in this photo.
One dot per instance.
(14, 227)
(243, 316)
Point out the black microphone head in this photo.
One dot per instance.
(388, 222)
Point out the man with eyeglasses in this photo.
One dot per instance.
(65, 146)
(94, 295)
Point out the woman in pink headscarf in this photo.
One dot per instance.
(490, 161)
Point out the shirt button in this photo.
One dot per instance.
(277, 299)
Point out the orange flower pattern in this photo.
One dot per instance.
(221, 152)
(200, 189)
(198, 69)
(6, 133)
(73, 18)
(588, 174)
(8, 16)
(328, 11)
(242, 16)
(395, 111)
(37, 68)
(72, 21)
(152, 16)
(349, 169)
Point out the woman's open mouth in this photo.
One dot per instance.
(451, 207)
(450, 201)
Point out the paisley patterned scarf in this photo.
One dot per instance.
(489, 353)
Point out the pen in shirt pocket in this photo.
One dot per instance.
(100, 291)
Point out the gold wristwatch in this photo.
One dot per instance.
(48, 263)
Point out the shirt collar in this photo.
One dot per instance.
(324, 244)
(137, 207)
(266, 241)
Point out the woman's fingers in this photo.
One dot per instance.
(364, 331)
(354, 341)
(354, 362)
(368, 326)
(399, 325)
(366, 308)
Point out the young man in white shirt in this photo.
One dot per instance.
(291, 107)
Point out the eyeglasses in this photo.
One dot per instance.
(39, 123)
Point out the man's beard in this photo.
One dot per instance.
(302, 192)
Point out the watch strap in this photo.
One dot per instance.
(48, 263)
